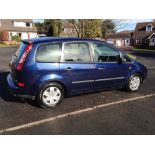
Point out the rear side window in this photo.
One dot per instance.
(77, 52)
(20, 50)
(49, 52)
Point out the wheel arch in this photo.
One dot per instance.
(54, 81)
(142, 78)
(133, 73)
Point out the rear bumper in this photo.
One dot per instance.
(16, 91)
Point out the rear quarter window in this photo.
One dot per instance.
(20, 50)
(49, 52)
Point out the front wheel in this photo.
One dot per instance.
(50, 95)
(134, 83)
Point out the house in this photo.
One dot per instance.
(144, 35)
(68, 29)
(123, 38)
(24, 28)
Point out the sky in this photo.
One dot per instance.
(122, 24)
(129, 24)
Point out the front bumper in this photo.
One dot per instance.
(16, 91)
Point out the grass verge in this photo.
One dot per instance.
(131, 56)
(143, 50)
(5, 45)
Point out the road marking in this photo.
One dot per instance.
(35, 123)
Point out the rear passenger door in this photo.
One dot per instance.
(76, 66)
(47, 61)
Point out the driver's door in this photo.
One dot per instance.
(109, 73)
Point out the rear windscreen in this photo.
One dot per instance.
(20, 50)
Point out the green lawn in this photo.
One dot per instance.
(5, 45)
(131, 56)
(143, 50)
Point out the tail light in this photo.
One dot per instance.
(23, 57)
(21, 84)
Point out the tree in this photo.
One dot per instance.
(77, 25)
(89, 28)
(107, 26)
(52, 27)
(39, 27)
(92, 28)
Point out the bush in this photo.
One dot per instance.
(3, 36)
(15, 38)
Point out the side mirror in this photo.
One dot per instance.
(119, 59)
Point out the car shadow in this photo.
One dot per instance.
(4, 90)
(5, 93)
(146, 54)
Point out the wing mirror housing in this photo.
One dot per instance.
(119, 59)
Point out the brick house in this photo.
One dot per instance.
(123, 38)
(68, 29)
(24, 28)
(144, 35)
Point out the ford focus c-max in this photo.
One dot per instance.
(48, 69)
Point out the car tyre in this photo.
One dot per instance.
(134, 82)
(50, 95)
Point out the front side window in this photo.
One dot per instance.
(104, 53)
(77, 52)
(49, 52)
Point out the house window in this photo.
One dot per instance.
(153, 40)
(146, 41)
(20, 34)
(149, 28)
(138, 41)
(27, 24)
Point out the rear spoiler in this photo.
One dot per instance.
(26, 41)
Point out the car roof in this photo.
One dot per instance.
(61, 39)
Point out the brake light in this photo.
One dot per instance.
(21, 84)
(23, 57)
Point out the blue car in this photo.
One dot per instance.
(47, 69)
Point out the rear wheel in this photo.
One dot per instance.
(134, 82)
(50, 95)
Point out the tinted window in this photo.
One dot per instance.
(105, 53)
(49, 53)
(76, 52)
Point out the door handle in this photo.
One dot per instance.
(101, 68)
(68, 68)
